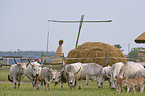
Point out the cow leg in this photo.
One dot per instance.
(128, 89)
(37, 83)
(76, 83)
(118, 87)
(133, 89)
(48, 85)
(80, 87)
(32, 80)
(15, 83)
(61, 84)
(141, 88)
(87, 81)
(109, 83)
(43, 84)
(18, 84)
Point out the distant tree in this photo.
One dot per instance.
(118, 46)
(134, 52)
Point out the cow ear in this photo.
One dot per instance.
(66, 71)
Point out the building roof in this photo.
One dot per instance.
(141, 38)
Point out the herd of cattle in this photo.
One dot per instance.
(120, 75)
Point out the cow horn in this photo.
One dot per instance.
(78, 71)
(28, 61)
(66, 71)
(114, 78)
(106, 74)
(32, 65)
(17, 62)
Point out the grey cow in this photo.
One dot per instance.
(114, 73)
(16, 73)
(61, 77)
(74, 73)
(46, 77)
(33, 72)
(70, 74)
(91, 71)
(103, 76)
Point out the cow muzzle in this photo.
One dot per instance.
(53, 78)
(56, 82)
(70, 82)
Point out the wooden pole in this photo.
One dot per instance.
(62, 21)
(106, 57)
(23, 55)
(81, 22)
(47, 41)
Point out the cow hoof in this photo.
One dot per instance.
(79, 88)
(48, 88)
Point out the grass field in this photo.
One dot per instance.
(6, 89)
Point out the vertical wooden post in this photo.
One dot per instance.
(47, 42)
(106, 57)
(7, 62)
(81, 22)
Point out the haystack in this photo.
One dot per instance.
(59, 53)
(95, 49)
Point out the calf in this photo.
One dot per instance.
(119, 84)
(131, 83)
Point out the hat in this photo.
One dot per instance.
(36, 57)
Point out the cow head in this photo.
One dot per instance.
(112, 80)
(58, 77)
(71, 77)
(100, 81)
(36, 69)
(49, 74)
(21, 66)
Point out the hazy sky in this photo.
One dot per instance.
(24, 25)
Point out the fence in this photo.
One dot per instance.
(59, 61)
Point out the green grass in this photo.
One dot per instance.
(27, 90)
(6, 89)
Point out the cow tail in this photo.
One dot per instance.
(10, 79)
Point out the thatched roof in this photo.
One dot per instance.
(140, 39)
(95, 49)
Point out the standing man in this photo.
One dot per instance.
(37, 60)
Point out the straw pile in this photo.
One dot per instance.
(95, 49)
(59, 53)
